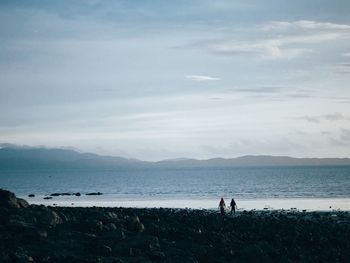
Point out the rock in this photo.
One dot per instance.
(22, 203)
(42, 234)
(97, 225)
(55, 194)
(106, 249)
(119, 234)
(110, 227)
(9, 200)
(259, 252)
(23, 258)
(77, 194)
(47, 197)
(98, 193)
(47, 216)
(135, 252)
(31, 195)
(111, 215)
(20, 221)
(136, 225)
(90, 235)
(156, 255)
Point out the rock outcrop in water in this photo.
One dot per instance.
(64, 234)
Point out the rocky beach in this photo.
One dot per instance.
(37, 233)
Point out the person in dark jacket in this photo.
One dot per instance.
(233, 206)
(222, 206)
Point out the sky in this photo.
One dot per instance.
(169, 79)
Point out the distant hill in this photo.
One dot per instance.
(34, 158)
(15, 157)
(258, 161)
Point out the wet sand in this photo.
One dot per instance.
(309, 204)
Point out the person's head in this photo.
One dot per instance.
(222, 199)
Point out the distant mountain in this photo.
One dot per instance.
(34, 158)
(257, 160)
(17, 157)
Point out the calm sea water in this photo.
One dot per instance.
(186, 183)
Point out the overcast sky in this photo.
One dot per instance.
(167, 79)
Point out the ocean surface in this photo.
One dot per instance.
(185, 187)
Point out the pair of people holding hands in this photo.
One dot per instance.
(222, 206)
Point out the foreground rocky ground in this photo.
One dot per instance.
(61, 234)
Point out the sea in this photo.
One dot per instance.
(261, 188)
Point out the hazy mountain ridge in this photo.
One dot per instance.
(260, 160)
(37, 157)
(58, 158)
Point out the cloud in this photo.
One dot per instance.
(343, 139)
(260, 90)
(303, 24)
(347, 54)
(343, 68)
(345, 135)
(326, 117)
(266, 49)
(201, 78)
(278, 40)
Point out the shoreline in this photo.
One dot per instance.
(38, 233)
(308, 204)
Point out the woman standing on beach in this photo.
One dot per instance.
(233, 206)
(222, 206)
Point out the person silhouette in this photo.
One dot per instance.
(222, 206)
(233, 206)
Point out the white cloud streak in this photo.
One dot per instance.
(303, 24)
(327, 117)
(285, 40)
(201, 78)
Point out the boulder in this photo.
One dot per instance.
(106, 250)
(48, 217)
(9, 200)
(98, 193)
(136, 225)
(20, 221)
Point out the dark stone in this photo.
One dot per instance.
(110, 227)
(9, 200)
(31, 195)
(48, 217)
(47, 197)
(156, 255)
(77, 194)
(20, 221)
(42, 234)
(119, 234)
(106, 250)
(22, 203)
(98, 193)
(23, 258)
(136, 225)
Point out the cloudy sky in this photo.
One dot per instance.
(167, 79)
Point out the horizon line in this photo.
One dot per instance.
(69, 148)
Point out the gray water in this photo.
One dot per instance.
(180, 183)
